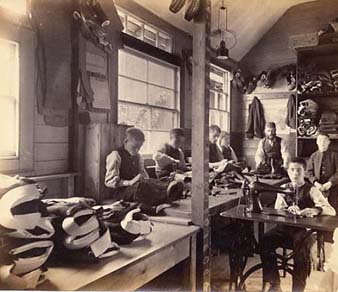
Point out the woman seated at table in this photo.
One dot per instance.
(311, 202)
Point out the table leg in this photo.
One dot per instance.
(320, 251)
(260, 231)
(193, 263)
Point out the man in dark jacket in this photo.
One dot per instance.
(323, 169)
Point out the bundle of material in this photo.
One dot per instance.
(313, 80)
(125, 221)
(328, 123)
(308, 112)
(89, 232)
(25, 234)
(80, 234)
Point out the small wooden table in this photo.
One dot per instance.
(134, 266)
(318, 224)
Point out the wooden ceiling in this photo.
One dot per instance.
(250, 19)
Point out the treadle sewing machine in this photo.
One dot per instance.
(245, 244)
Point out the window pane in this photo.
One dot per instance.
(161, 96)
(132, 90)
(149, 35)
(162, 119)
(18, 6)
(215, 85)
(138, 116)
(213, 102)
(164, 42)
(161, 75)
(8, 127)
(134, 27)
(221, 101)
(213, 119)
(9, 68)
(155, 140)
(133, 66)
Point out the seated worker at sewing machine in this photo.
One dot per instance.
(323, 169)
(170, 157)
(272, 154)
(311, 202)
(128, 179)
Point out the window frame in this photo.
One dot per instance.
(176, 110)
(227, 94)
(19, 32)
(124, 15)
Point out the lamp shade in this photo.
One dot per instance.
(222, 51)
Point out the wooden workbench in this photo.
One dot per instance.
(217, 204)
(135, 265)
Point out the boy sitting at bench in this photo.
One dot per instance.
(170, 157)
(128, 179)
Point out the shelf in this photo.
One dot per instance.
(314, 138)
(319, 95)
(325, 49)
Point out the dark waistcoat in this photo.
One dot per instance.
(274, 150)
(130, 164)
(304, 199)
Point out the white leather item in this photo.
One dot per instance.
(13, 198)
(99, 246)
(43, 223)
(28, 264)
(142, 227)
(75, 242)
(72, 228)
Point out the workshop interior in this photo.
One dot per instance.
(173, 145)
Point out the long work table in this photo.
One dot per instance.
(134, 265)
(226, 200)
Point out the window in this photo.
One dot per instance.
(9, 92)
(17, 6)
(148, 96)
(140, 29)
(219, 98)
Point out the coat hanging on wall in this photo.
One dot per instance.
(52, 22)
(256, 119)
(291, 114)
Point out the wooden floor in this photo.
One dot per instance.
(318, 281)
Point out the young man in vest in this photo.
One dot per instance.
(323, 169)
(128, 179)
(170, 157)
(272, 154)
(311, 202)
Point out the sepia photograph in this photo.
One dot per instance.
(169, 145)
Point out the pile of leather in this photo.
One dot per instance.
(36, 232)
(314, 80)
(25, 234)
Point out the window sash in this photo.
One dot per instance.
(9, 100)
(153, 116)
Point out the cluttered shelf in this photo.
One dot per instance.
(319, 50)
